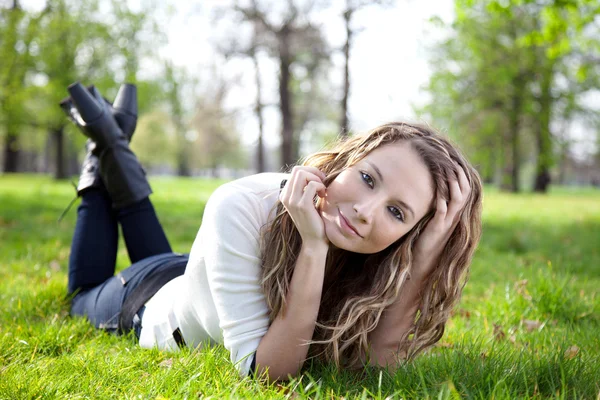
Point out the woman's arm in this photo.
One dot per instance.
(283, 349)
(396, 320)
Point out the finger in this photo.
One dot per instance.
(456, 199)
(294, 189)
(300, 178)
(301, 185)
(463, 181)
(287, 190)
(310, 191)
(441, 209)
(313, 170)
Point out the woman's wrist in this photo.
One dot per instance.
(423, 266)
(315, 248)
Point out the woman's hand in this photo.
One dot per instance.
(435, 236)
(298, 199)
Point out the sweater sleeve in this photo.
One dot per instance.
(233, 219)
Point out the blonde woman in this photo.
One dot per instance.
(356, 257)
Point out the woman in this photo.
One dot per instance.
(356, 257)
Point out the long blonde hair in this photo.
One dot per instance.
(353, 301)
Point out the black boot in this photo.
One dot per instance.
(119, 169)
(124, 111)
(90, 175)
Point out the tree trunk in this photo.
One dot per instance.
(72, 165)
(11, 152)
(285, 76)
(183, 165)
(512, 157)
(543, 137)
(183, 158)
(344, 120)
(562, 166)
(260, 149)
(516, 157)
(47, 159)
(60, 171)
(12, 148)
(296, 146)
(490, 169)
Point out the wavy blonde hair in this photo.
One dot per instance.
(353, 301)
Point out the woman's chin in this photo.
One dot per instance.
(337, 241)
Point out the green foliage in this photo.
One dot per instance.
(66, 41)
(511, 70)
(527, 326)
(155, 130)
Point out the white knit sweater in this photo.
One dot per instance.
(219, 298)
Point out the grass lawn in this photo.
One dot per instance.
(528, 325)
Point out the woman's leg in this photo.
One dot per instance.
(102, 295)
(94, 245)
(142, 232)
(103, 303)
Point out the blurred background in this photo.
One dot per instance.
(228, 88)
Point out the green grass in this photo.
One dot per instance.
(533, 295)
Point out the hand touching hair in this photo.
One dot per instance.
(359, 287)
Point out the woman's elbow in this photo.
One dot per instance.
(276, 373)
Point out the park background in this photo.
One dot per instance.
(229, 88)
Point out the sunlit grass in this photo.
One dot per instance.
(527, 326)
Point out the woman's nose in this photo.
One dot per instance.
(364, 211)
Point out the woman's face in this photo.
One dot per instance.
(374, 203)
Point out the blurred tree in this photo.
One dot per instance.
(72, 46)
(176, 81)
(135, 36)
(258, 104)
(212, 136)
(311, 89)
(565, 32)
(350, 9)
(284, 34)
(68, 41)
(476, 90)
(18, 29)
(235, 46)
(155, 140)
(509, 68)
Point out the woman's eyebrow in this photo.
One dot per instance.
(380, 176)
(377, 171)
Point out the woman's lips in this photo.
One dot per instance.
(346, 225)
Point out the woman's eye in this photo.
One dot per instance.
(367, 178)
(397, 213)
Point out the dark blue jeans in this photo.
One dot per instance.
(99, 294)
